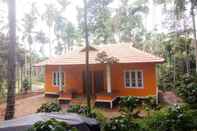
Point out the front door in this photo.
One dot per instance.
(98, 81)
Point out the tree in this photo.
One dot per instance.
(28, 34)
(193, 5)
(180, 9)
(99, 21)
(49, 16)
(87, 78)
(41, 37)
(3, 65)
(10, 107)
(128, 21)
(66, 35)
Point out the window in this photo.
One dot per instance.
(133, 79)
(56, 78)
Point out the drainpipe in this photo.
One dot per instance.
(108, 73)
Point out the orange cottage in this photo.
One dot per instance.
(133, 73)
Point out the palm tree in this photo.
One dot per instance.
(49, 17)
(10, 108)
(180, 6)
(87, 58)
(29, 21)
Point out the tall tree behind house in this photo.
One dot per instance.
(29, 22)
(99, 21)
(128, 21)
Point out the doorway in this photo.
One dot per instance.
(96, 81)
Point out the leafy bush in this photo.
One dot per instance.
(82, 110)
(173, 119)
(124, 122)
(150, 102)
(51, 125)
(121, 123)
(128, 103)
(49, 107)
(186, 88)
(26, 85)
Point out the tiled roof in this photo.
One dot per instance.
(125, 53)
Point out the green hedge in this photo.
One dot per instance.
(51, 125)
(49, 107)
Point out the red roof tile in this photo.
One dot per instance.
(124, 52)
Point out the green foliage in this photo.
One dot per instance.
(127, 104)
(179, 55)
(82, 110)
(186, 88)
(150, 102)
(103, 58)
(100, 21)
(26, 84)
(51, 125)
(174, 118)
(121, 123)
(49, 107)
(128, 20)
(66, 35)
(125, 122)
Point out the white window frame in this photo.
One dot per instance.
(57, 83)
(136, 78)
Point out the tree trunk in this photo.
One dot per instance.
(18, 78)
(21, 79)
(87, 58)
(194, 30)
(10, 107)
(30, 66)
(174, 72)
(25, 66)
(50, 50)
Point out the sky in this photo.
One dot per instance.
(23, 6)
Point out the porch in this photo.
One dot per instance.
(100, 85)
(98, 98)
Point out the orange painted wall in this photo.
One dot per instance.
(149, 75)
(73, 78)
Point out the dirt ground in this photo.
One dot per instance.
(30, 103)
(170, 98)
(26, 106)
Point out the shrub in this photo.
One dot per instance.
(150, 102)
(173, 119)
(49, 107)
(124, 122)
(186, 88)
(121, 123)
(51, 125)
(128, 104)
(26, 85)
(82, 110)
